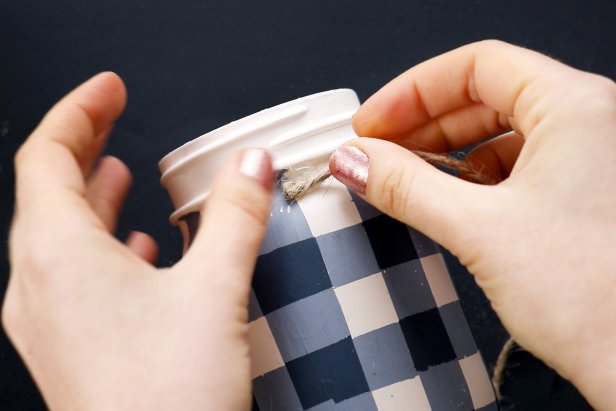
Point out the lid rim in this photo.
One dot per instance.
(302, 131)
(167, 158)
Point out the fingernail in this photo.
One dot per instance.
(256, 163)
(350, 166)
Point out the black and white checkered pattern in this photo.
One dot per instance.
(352, 310)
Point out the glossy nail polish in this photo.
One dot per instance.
(350, 166)
(256, 163)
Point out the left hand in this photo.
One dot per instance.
(97, 325)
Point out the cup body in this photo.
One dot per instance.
(350, 309)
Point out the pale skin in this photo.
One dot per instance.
(100, 328)
(539, 242)
(97, 324)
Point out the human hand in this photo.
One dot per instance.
(537, 243)
(97, 325)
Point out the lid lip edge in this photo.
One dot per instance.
(220, 142)
(167, 161)
(195, 203)
(343, 120)
(184, 209)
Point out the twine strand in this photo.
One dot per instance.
(498, 376)
(297, 182)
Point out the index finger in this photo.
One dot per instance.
(463, 95)
(48, 163)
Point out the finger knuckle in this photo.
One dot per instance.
(249, 205)
(8, 317)
(598, 92)
(491, 43)
(396, 191)
(11, 314)
(22, 155)
(30, 253)
(602, 81)
(605, 86)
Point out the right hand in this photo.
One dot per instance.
(539, 243)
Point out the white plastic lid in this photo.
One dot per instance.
(300, 131)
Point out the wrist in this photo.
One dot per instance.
(591, 368)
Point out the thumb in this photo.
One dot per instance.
(234, 219)
(405, 187)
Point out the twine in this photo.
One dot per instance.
(297, 182)
(498, 376)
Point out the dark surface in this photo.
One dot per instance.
(193, 66)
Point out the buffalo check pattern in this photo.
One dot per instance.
(352, 310)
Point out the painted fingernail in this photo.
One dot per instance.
(350, 166)
(256, 163)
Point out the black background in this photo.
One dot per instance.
(192, 66)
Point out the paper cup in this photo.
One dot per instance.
(349, 309)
